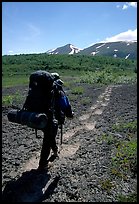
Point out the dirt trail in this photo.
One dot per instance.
(84, 159)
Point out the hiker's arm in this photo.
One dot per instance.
(68, 112)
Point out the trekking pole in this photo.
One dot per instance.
(61, 127)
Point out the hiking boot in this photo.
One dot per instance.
(55, 153)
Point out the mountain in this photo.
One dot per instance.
(121, 49)
(67, 49)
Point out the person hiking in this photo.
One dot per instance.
(60, 109)
(45, 108)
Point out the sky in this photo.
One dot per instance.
(36, 27)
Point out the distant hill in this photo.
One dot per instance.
(66, 49)
(121, 49)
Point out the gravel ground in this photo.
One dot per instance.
(82, 173)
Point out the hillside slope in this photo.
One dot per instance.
(120, 49)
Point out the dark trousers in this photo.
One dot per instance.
(49, 142)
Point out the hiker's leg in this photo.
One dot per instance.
(53, 136)
(49, 142)
(45, 151)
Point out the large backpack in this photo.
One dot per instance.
(45, 100)
(39, 96)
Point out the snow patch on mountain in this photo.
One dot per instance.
(127, 56)
(94, 53)
(100, 46)
(74, 49)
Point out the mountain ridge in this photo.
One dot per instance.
(122, 49)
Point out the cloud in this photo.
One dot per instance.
(124, 6)
(133, 4)
(129, 35)
(129, 4)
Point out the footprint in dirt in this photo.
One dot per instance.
(65, 150)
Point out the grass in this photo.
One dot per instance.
(123, 164)
(77, 90)
(108, 138)
(130, 126)
(9, 99)
(11, 81)
(107, 76)
(107, 185)
(100, 77)
(123, 150)
(124, 160)
(132, 197)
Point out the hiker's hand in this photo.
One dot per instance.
(71, 115)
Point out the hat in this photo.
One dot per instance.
(55, 75)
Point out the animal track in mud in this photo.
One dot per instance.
(67, 150)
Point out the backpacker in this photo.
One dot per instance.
(44, 101)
